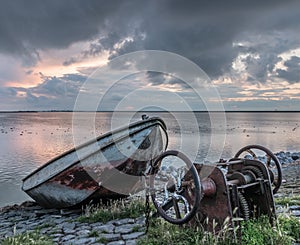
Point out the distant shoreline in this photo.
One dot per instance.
(47, 111)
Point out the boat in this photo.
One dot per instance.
(110, 166)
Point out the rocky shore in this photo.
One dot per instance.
(290, 187)
(63, 227)
(288, 157)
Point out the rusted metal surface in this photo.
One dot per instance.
(209, 187)
(215, 206)
(258, 192)
(212, 195)
(239, 188)
(99, 168)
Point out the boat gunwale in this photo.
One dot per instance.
(160, 122)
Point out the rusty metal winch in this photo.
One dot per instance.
(240, 188)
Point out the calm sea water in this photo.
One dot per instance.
(28, 140)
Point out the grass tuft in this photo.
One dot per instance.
(30, 238)
(102, 240)
(162, 232)
(291, 226)
(285, 231)
(291, 200)
(118, 209)
(93, 234)
(136, 228)
(260, 231)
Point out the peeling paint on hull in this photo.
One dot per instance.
(109, 167)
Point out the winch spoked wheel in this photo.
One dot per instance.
(272, 163)
(175, 187)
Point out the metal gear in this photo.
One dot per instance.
(258, 173)
(244, 207)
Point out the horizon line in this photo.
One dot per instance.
(159, 111)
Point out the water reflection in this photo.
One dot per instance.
(28, 140)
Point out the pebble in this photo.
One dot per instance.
(287, 157)
(63, 228)
(294, 207)
(296, 213)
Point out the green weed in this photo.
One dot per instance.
(285, 231)
(93, 234)
(30, 238)
(291, 200)
(113, 210)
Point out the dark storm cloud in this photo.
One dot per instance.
(202, 31)
(205, 31)
(58, 93)
(263, 52)
(159, 78)
(258, 68)
(28, 26)
(155, 78)
(50, 24)
(53, 87)
(292, 72)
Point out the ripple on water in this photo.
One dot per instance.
(20, 155)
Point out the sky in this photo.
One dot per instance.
(49, 49)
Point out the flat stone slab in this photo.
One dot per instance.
(294, 207)
(124, 221)
(134, 235)
(120, 242)
(124, 229)
(63, 228)
(104, 228)
(296, 213)
(110, 237)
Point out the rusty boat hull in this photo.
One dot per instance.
(110, 166)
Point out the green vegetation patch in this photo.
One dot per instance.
(93, 234)
(291, 200)
(118, 209)
(30, 238)
(102, 240)
(136, 228)
(162, 232)
(291, 226)
(262, 232)
(285, 231)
